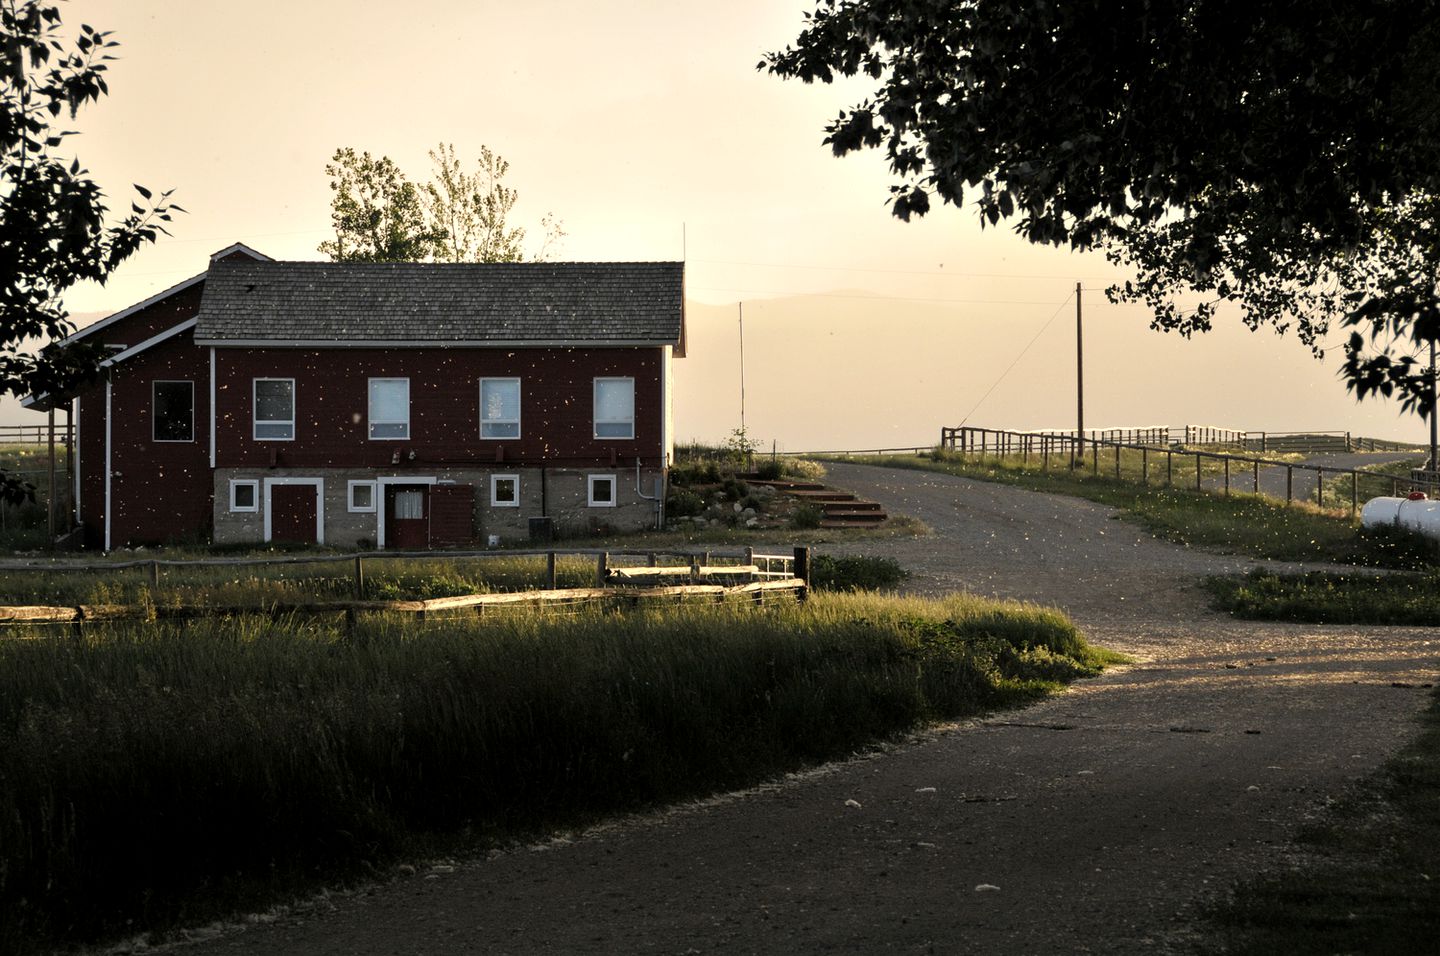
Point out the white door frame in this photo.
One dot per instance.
(319, 484)
(380, 484)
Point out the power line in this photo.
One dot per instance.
(1012, 365)
(909, 272)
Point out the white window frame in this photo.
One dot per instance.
(500, 421)
(254, 485)
(255, 420)
(496, 479)
(370, 420)
(350, 496)
(595, 409)
(154, 420)
(591, 481)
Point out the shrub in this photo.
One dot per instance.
(694, 473)
(770, 469)
(806, 517)
(855, 572)
(681, 503)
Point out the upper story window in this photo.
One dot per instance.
(274, 409)
(614, 408)
(390, 408)
(172, 409)
(499, 408)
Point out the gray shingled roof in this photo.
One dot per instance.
(509, 303)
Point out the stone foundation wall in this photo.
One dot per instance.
(562, 494)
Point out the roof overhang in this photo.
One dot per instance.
(435, 344)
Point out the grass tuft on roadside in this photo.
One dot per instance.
(1325, 597)
(163, 774)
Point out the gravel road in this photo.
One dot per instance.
(1095, 822)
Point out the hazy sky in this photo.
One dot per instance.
(646, 129)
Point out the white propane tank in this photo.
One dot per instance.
(1421, 515)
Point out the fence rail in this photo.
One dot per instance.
(34, 434)
(756, 575)
(1043, 446)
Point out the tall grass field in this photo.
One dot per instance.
(162, 774)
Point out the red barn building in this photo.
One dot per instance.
(400, 405)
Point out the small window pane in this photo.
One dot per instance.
(602, 490)
(242, 495)
(174, 411)
(504, 491)
(614, 408)
(362, 497)
(389, 408)
(499, 408)
(274, 408)
(409, 505)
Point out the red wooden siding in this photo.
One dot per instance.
(292, 513)
(159, 490)
(331, 405)
(452, 516)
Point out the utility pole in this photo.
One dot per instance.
(1432, 465)
(1080, 380)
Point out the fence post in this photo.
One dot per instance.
(1197, 471)
(1145, 467)
(1227, 477)
(602, 568)
(359, 578)
(154, 574)
(1320, 487)
(750, 560)
(1257, 477)
(550, 569)
(1095, 456)
(802, 570)
(1169, 468)
(1117, 462)
(1354, 492)
(1289, 484)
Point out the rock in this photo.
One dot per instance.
(752, 523)
(738, 507)
(986, 888)
(749, 513)
(853, 803)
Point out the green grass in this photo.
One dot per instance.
(1331, 598)
(1238, 523)
(157, 775)
(1369, 883)
(855, 572)
(24, 527)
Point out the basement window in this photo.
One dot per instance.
(173, 411)
(504, 491)
(244, 495)
(601, 491)
(362, 496)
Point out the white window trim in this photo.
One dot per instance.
(255, 420)
(595, 421)
(504, 504)
(519, 396)
(319, 484)
(590, 481)
(154, 421)
(254, 484)
(350, 496)
(370, 421)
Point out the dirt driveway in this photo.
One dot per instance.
(1092, 823)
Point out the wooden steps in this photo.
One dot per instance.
(840, 509)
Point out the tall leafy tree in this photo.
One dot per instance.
(54, 230)
(376, 211)
(458, 216)
(1271, 153)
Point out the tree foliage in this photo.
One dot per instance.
(376, 211)
(53, 217)
(1273, 154)
(381, 216)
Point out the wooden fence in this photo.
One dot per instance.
(753, 575)
(1043, 447)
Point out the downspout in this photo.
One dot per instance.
(108, 389)
(75, 461)
(212, 412)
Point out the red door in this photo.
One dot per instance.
(407, 517)
(292, 513)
